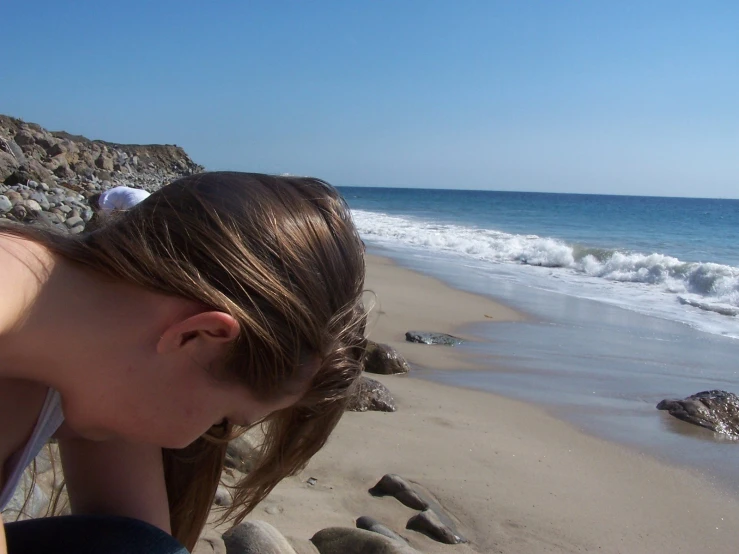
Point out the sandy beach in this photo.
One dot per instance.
(514, 478)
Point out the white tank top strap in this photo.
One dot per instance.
(49, 420)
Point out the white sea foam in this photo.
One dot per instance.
(650, 283)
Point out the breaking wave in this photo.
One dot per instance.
(703, 285)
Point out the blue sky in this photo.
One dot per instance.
(623, 97)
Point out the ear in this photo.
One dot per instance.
(211, 328)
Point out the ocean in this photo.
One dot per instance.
(630, 300)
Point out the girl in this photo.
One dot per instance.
(222, 300)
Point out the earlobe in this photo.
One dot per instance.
(213, 326)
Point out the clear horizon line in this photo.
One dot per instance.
(541, 192)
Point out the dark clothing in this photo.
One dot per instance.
(88, 535)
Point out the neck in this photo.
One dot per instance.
(74, 320)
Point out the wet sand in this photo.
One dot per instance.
(515, 478)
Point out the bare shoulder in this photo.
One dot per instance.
(21, 249)
(24, 266)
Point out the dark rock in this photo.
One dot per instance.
(19, 176)
(414, 496)
(394, 485)
(427, 337)
(371, 524)
(428, 523)
(344, 540)
(716, 410)
(371, 395)
(56, 149)
(384, 360)
(256, 537)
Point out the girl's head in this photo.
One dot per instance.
(265, 275)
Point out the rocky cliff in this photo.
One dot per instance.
(48, 175)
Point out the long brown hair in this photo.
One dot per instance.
(282, 256)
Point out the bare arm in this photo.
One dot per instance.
(3, 547)
(116, 478)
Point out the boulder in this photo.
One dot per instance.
(5, 204)
(16, 151)
(428, 337)
(384, 360)
(39, 171)
(56, 149)
(371, 395)
(371, 524)
(45, 160)
(41, 199)
(716, 410)
(256, 537)
(19, 177)
(394, 485)
(428, 523)
(345, 540)
(417, 497)
(8, 165)
(26, 210)
(105, 162)
(14, 196)
(24, 138)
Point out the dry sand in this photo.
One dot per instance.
(516, 479)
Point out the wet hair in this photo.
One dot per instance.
(282, 256)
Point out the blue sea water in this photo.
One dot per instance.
(630, 300)
(675, 258)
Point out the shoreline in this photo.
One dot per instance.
(515, 478)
